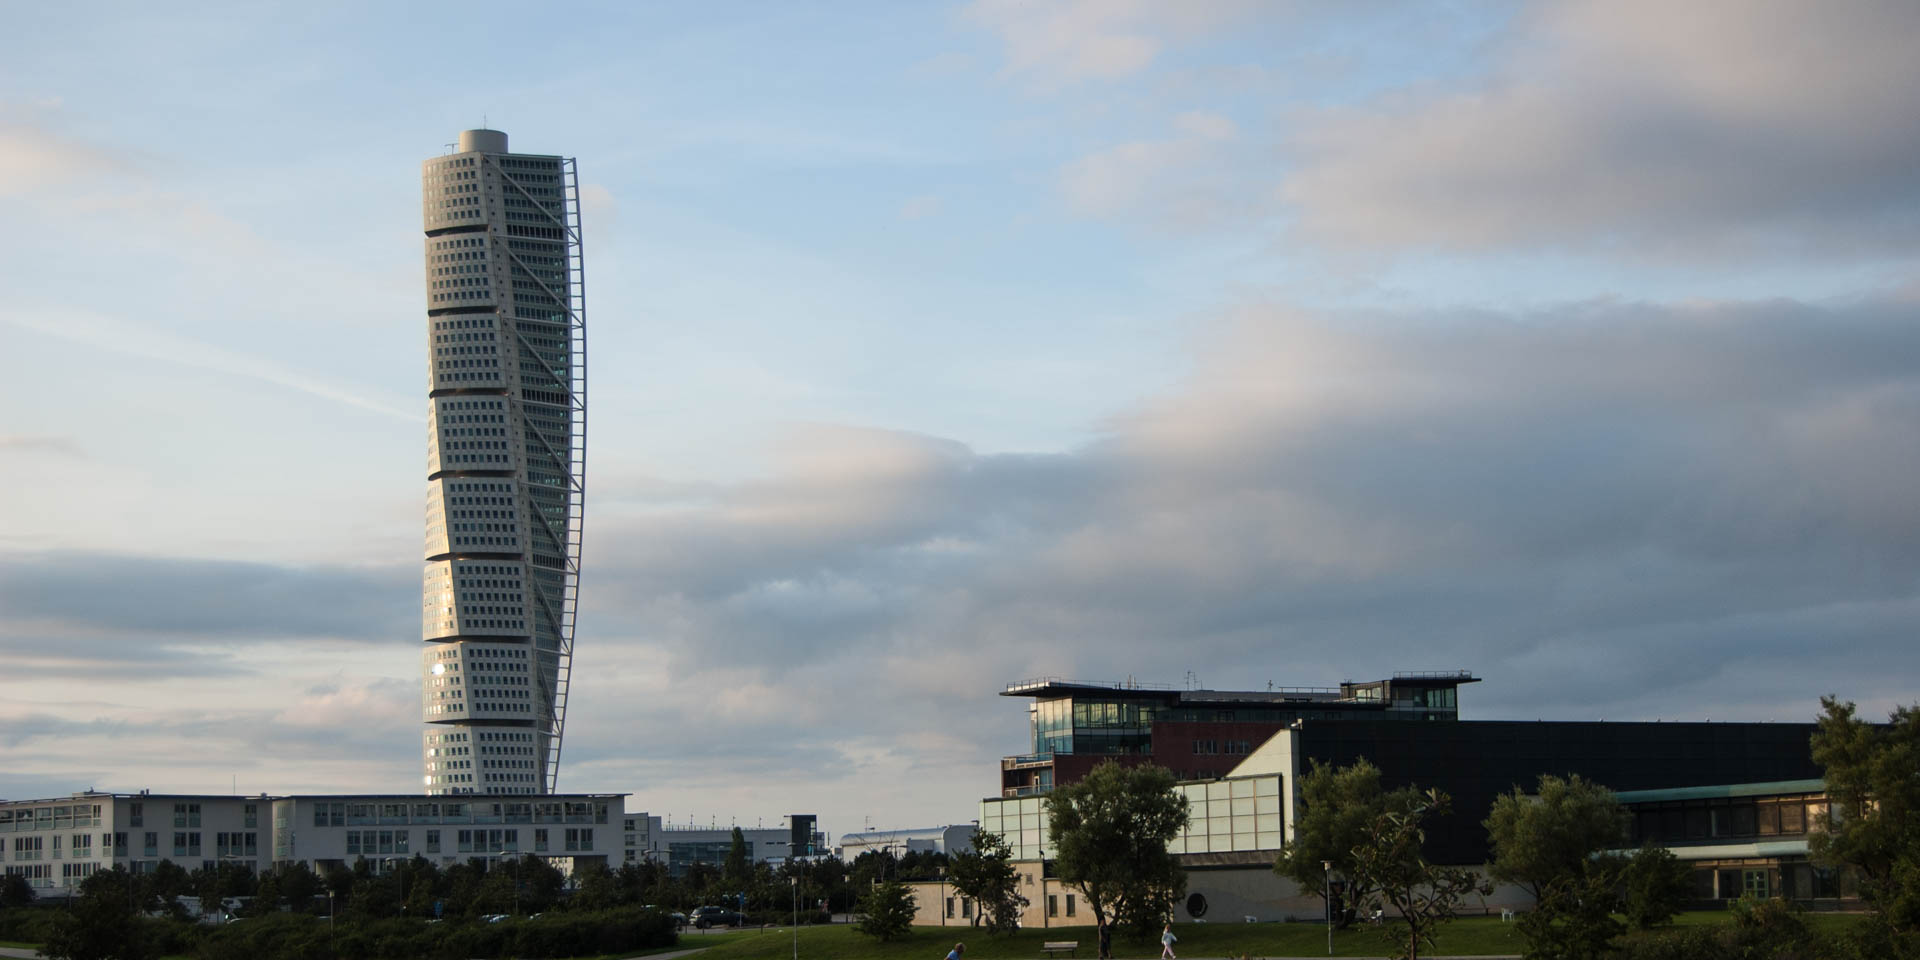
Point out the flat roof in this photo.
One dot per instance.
(1050, 687)
(1724, 790)
(95, 795)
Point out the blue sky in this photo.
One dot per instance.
(935, 346)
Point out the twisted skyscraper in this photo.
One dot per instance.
(506, 451)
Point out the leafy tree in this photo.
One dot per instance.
(1574, 917)
(986, 876)
(102, 922)
(888, 910)
(298, 885)
(170, 882)
(1389, 863)
(1335, 813)
(734, 872)
(15, 892)
(1656, 885)
(1554, 834)
(923, 865)
(594, 888)
(1872, 823)
(1110, 835)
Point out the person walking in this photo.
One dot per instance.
(1167, 940)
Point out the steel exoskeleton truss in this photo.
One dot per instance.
(573, 381)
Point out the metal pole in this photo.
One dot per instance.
(1326, 882)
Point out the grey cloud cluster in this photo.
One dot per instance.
(1608, 509)
(1658, 129)
(92, 615)
(1616, 503)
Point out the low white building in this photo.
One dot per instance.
(957, 838)
(57, 843)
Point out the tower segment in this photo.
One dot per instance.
(506, 458)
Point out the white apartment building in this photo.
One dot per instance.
(506, 458)
(57, 843)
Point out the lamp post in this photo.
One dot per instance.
(794, 880)
(1326, 871)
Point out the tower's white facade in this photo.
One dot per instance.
(506, 451)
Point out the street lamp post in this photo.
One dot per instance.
(1326, 871)
(794, 880)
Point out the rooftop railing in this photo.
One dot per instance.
(1129, 684)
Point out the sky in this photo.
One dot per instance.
(938, 346)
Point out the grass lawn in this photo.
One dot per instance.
(1469, 936)
(1478, 935)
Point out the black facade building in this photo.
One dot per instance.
(1475, 761)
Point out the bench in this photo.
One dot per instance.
(1056, 947)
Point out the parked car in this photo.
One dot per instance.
(704, 917)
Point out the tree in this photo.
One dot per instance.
(298, 885)
(1656, 884)
(1552, 844)
(1573, 919)
(594, 888)
(888, 910)
(1554, 834)
(1872, 823)
(102, 922)
(15, 891)
(1110, 834)
(1336, 811)
(1389, 863)
(734, 872)
(986, 876)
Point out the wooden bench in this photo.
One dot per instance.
(1056, 947)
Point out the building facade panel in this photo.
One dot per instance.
(506, 381)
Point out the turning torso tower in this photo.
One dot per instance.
(506, 448)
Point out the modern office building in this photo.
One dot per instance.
(506, 452)
(682, 846)
(1198, 734)
(1743, 839)
(1240, 756)
(55, 844)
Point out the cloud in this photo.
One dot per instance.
(1712, 128)
(920, 207)
(1663, 489)
(1194, 179)
(27, 444)
(1608, 509)
(1049, 44)
(33, 158)
(100, 332)
(85, 594)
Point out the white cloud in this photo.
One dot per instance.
(1194, 179)
(920, 207)
(1641, 127)
(1056, 42)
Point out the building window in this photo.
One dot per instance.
(949, 908)
(433, 841)
(1053, 905)
(1069, 904)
